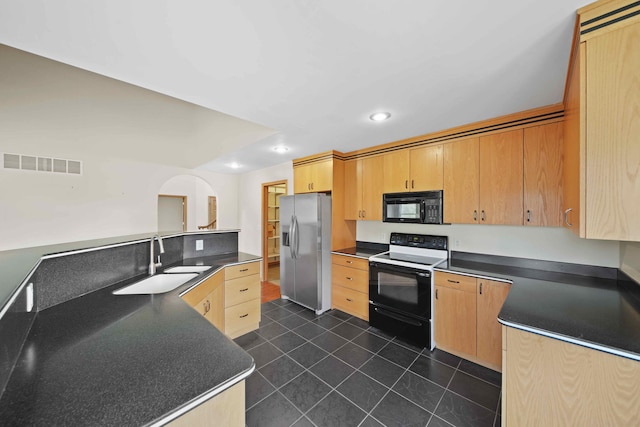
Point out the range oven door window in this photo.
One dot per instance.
(401, 288)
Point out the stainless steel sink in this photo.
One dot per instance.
(188, 269)
(158, 284)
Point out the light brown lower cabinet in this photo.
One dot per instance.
(224, 409)
(548, 382)
(230, 299)
(466, 317)
(350, 285)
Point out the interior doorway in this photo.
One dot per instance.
(271, 193)
(172, 213)
(213, 213)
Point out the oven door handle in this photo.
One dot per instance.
(383, 266)
(396, 316)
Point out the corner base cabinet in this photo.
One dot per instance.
(548, 382)
(466, 317)
(230, 299)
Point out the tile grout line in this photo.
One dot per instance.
(376, 353)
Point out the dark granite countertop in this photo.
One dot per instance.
(358, 252)
(104, 359)
(599, 313)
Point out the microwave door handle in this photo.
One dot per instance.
(423, 211)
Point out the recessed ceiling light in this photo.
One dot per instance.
(380, 116)
(233, 165)
(280, 149)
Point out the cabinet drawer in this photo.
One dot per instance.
(455, 281)
(240, 270)
(241, 289)
(349, 261)
(350, 301)
(352, 278)
(197, 294)
(242, 318)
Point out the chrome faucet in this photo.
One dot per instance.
(153, 265)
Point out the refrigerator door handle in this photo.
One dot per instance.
(292, 231)
(296, 238)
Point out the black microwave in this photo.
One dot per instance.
(424, 207)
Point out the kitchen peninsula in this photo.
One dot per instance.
(91, 357)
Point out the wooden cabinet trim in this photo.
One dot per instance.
(240, 270)
(350, 261)
(197, 294)
(455, 281)
(241, 289)
(350, 301)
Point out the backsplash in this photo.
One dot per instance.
(213, 244)
(66, 277)
(14, 328)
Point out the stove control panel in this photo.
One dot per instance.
(419, 241)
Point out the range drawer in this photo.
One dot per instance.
(455, 281)
(242, 318)
(241, 289)
(241, 270)
(351, 278)
(350, 301)
(349, 261)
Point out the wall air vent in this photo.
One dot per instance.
(41, 164)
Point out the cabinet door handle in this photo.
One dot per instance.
(349, 299)
(312, 185)
(349, 262)
(436, 294)
(411, 183)
(244, 290)
(406, 184)
(244, 315)
(243, 270)
(475, 215)
(482, 215)
(359, 214)
(364, 213)
(566, 217)
(480, 288)
(349, 278)
(528, 215)
(207, 306)
(452, 281)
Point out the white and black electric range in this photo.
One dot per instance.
(401, 286)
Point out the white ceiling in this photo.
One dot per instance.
(315, 70)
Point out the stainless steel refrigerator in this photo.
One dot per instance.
(305, 250)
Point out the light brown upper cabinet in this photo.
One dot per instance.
(316, 177)
(416, 169)
(602, 192)
(543, 175)
(483, 179)
(461, 189)
(501, 167)
(364, 181)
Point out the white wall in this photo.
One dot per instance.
(197, 191)
(551, 244)
(250, 200)
(113, 197)
(53, 110)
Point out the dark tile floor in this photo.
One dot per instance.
(335, 370)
